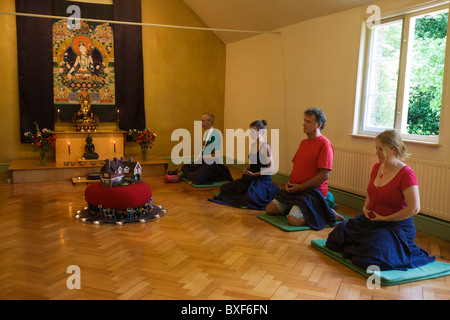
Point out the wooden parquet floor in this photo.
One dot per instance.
(199, 251)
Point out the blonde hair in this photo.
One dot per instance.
(392, 139)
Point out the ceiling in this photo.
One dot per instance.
(263, 15)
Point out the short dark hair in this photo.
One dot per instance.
(259, 124)
(320, 116)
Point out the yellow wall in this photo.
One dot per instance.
(313, 63)
(9, 89)
(184, 76)
(184, 71)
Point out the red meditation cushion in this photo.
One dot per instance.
(131, 196)
(171, 178)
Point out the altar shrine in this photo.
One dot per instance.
(69, 163)
(24, 171)
(70, 145)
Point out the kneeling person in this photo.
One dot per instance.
(303, 198)
(255, 189)
(208, 167)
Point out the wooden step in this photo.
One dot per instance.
(22, 171)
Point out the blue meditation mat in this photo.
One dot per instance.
(281, 222)
(214, 184)
(431, 270)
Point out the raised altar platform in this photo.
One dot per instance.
(108, 144)
(23, 171)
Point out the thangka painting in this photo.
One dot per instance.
(83, 60)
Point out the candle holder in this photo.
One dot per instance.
(68, 148)
(118, 120)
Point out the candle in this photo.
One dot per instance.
(58, 115)
(114, 146)
(68, 146)
(118, 115)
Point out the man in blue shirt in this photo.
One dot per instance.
(208, 167)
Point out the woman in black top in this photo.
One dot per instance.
(255, 189)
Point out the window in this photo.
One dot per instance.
(404, 75)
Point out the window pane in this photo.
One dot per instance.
(426, 69)
(383, 76)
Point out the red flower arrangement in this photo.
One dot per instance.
(42, 140)
(144, 138)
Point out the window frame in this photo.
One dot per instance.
(362, 97)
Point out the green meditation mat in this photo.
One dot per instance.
(281, 222)
(431, 270)
(214, 184)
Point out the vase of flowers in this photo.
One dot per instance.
(42, 141)
(144, 139)
(43, 156)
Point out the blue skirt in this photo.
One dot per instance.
(252, 192)
(388, 245)
(312, 203)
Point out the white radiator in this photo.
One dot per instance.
(351, 170)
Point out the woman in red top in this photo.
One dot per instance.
(384, 234)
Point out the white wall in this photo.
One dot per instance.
(313, 63)
(255, 87)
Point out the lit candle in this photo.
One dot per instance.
(118, 115)
(58, 115)
(114, 146)
(68, 146)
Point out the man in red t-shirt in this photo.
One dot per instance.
(313, 163)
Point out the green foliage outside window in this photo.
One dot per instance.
(425, 94)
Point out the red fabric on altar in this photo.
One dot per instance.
(131, 196)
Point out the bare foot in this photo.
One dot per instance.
(272, 210)
(338, 216)
(293, 221)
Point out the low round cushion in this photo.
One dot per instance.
(171, 178)
(131, 196)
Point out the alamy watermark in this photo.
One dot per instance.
(374, 280)
(236, 140)
(73, 281)
(375, 16)
(75, 19)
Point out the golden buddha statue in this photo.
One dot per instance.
(84, 119)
